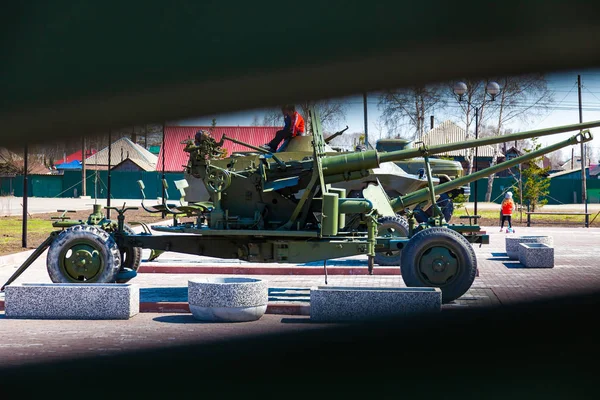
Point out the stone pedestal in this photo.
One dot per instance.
(228, 299)
(332, 304)
(512, 243)
(72, 301)
(536, 255)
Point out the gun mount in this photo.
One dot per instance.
(269, 207)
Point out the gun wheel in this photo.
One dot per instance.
(83, 253)
(393, 227)
(439, 257)
(444, 202)
(131, 258)
(218, 179)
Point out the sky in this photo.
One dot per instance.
(563, 111)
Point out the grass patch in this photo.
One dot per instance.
(491, 218)
(13, 225)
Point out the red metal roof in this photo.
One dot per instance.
(177, 158)
(75, 156)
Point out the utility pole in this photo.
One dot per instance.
(164, 191)
(108, 180)
(366, 122)
(583, 182)
(83, 171)
(25, 195)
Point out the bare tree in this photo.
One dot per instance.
(556, 158)
(332, 113)
(255, 121)
(409, 107)
(521, 98)
(473, 100)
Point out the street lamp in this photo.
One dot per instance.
(492, 89)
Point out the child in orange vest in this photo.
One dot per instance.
(507, 208)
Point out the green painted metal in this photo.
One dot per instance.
(442, 148)
(82, 259)
(424, 194)
(438, 265)
(30, 260)
(341, 216)
(330, 215)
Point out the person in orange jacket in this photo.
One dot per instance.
(507, 207)
(293, 126)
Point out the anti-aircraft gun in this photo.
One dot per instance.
(267, 208)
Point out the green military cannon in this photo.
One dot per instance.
(272, 207)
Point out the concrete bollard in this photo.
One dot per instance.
(228, 299)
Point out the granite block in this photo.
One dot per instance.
(512, 243)
(233, 299)
(536, 255)
(72, 301)
(333, 304)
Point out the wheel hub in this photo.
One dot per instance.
(438, 265)
(82, 261)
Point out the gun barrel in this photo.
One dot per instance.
(409, 153)
(422, 195)
(365, 160)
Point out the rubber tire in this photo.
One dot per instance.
(444, 202)
(132, 255)
(440, 237)
(131, 258)
(107, 247)
(398, 223)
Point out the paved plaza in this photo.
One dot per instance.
(501, 282)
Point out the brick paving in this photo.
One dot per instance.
(501, 282)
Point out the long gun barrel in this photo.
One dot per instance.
(341, 167)
(422, 195)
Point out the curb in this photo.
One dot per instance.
(261, 270)
(183, 308)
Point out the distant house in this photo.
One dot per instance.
(594, 171)
(12, 164)
(129, 164)
(448, 132)
(73, 165)
(572, 163)
(177, 158)
(120, 151)
(574, 173)
(76, 156)
(512, 153)
(154, 150)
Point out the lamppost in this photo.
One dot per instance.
(492, 89)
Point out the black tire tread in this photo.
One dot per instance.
(467, 273)
(109, 251)
(400, 222)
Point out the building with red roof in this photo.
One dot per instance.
(177, 158)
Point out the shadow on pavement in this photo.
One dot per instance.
(179, 319)
(514, 265)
